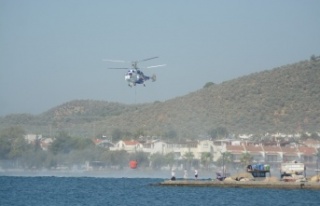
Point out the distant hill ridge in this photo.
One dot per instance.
(284, 99)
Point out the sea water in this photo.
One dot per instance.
(54, 191)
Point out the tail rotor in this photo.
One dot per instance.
(154, 78)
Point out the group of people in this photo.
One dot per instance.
(185, 175)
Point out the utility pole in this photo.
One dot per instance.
(223, 169)
(318, 168)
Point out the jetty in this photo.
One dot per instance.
(244, 184)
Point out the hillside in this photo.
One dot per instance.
(284, 99)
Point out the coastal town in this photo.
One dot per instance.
(235, 152)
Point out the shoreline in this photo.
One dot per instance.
(239, 184)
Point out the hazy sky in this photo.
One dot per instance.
(51, 51)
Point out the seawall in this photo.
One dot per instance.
(239, 184)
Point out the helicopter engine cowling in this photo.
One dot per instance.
(127, 77)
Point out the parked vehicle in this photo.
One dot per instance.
(292, 171)
(258, 170)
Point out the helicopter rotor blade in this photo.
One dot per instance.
(114, 60)
(143, 60)
(160, 65)
(118, 68)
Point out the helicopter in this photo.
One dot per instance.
(134, 75)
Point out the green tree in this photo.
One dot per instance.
(224, 159)
(208, 84)
(171, 134)
(116, 158)
(12, 143)
(219, 132)
(5, 147)
(63, 143)
(51, 161)
(82, 143)
(157, 161)
(246, 159)
(170, 159)
(18, 147)
(206, 159)
(315, 136)
(117, 135)
(90, 153)
(138, 133)
(34, 159)
(213, 133)
(37, 145)
(222, 132)
(188, 157)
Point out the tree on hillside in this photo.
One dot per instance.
(64, 143)
(138, 133)
(171, 134)
(113, 158)
(315, 136)
(219, 132)
(18, 147)
(208, 84)
(12, 143)
(222, 132)
(117, 135)
(5, 147)
(314, 58)
(82, 143)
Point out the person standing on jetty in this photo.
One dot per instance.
(185, 175)
(196, 174)
(173, 176)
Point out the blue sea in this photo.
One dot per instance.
(54, 191)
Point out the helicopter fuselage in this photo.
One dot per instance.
(134, 76)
